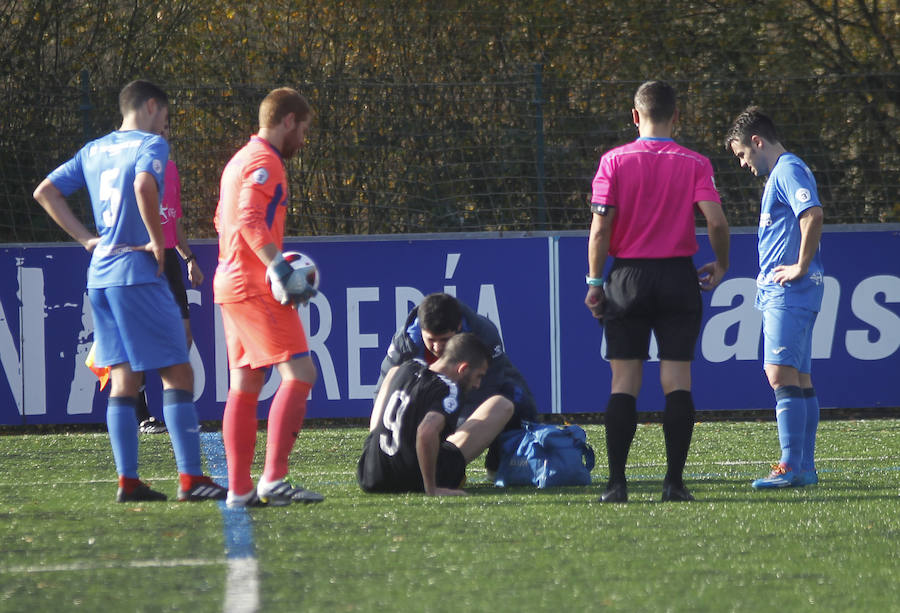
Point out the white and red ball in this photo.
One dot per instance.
(301, 261)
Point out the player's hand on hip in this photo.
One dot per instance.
(91, 243)
(159, 252)
(595, 300)
(710, 275)
(785, 274)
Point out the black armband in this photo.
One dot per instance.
(600, 209)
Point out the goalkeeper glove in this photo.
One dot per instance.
(289, 284)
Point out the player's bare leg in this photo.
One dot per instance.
(123, 381)
(626, 376)
(780, 375)
(178, 376)
(674, 375)
(482, 427)
(188, 335)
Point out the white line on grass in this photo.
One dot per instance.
(242, 578)
(82, 566)
(242, 586)
(223, 477)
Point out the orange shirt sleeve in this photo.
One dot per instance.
(251, 212)
(261, 192)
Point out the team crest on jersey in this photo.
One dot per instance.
(765, 220)
(260, 176)
(802, 195)
(450, 404)
(157, 166)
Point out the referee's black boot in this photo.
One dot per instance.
(675, 492)
(615, 492)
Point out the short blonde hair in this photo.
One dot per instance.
(279, 103)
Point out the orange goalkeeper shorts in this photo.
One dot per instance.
(261, 332)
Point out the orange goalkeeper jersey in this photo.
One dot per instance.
(253, 197)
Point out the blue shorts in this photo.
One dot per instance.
(138, 324)
(787, 337)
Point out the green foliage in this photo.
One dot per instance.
(426, 114)
(66, 545)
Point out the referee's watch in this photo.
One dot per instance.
(593, 281)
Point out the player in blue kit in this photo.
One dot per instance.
(137, 325)
(789, 293)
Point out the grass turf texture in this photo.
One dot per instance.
(66, 545)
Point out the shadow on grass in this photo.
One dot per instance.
(650, 492)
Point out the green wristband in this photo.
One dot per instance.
(593, 281)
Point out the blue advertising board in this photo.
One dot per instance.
(367, 290)
(531, 287)
(856, 338)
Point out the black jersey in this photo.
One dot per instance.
(502, 377)
(389, 461)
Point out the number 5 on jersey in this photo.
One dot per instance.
(110, 196)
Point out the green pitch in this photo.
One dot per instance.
(65, 545)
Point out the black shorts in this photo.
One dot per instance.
(375, 472)
(175, 276)
(660, 295)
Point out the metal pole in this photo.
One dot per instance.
(539, 146)
(86, 107)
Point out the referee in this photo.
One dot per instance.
(644, 197)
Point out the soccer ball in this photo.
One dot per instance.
(295, 290)
(301, 261)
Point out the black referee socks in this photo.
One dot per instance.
(678, 428)
(621, 424)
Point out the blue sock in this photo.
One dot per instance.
(812, 425)
(121, 422)
(790, 414)
(184, 430)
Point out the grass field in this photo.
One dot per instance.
(66, 546)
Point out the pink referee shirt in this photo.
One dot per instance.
(654, 184)
(171, 204)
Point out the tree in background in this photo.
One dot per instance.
(454, 117)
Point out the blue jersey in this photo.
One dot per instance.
(107, 167)
(790, 190)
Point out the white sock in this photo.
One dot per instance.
(264, 487)
(238, 499)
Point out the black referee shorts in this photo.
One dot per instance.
(175, 276)
(659, 295)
